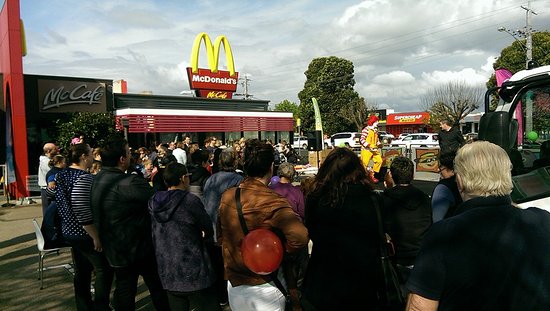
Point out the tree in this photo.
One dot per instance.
(357, 112)
(95, 127)
(513, 56)
(288, 106)
(330, 80)
(453, 101)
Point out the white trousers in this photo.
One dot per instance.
(264, 297)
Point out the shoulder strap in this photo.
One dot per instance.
(273, 275)
(381, 235)
(240, 210)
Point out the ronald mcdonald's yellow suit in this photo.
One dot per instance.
(370, 147)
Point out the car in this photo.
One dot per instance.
(353, 139)
(470, 136)
(385, 137)
(403, 135)
(299, 142)
(418, 140)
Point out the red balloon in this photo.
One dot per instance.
(262, 251)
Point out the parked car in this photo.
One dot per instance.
(470, 136)
(418, 139)
(352, 138)
(403, 135)
(385, 137)
(299, 142)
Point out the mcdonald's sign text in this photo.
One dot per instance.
(204, 79)
(212, 83)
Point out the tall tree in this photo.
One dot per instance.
(453, 101)
(330, 80)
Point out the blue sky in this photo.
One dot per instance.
(400, 48)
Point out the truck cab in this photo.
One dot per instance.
(502, 125)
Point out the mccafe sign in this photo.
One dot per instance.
(211, 82)
(57, 96)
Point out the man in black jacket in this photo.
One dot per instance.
(119, 205)
(407, 213)
(450, 138)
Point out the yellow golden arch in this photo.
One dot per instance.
(212, 52)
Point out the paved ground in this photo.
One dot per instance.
(19, 284)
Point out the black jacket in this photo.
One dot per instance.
(119, 206)
(450, 140)
(408, 215)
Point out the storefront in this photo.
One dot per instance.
(409, 122)
(150, 119)
(31, 105)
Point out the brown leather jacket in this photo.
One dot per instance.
(262, 208)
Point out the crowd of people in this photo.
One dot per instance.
(177, 216)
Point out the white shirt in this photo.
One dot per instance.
(180, 155)
(43, 169)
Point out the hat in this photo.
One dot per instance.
(286, 169)
(371, 120)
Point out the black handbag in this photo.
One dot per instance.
(390, 294)
(273, 275)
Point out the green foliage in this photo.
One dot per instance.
(513, 57)
(288, 106)
(95, 127)
(330, 80)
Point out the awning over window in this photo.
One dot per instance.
(172, 120)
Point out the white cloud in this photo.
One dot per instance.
(400, 48)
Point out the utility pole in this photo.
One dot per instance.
(529, 57)
(526, 33)
(245, 85)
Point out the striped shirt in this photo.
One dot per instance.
(73, 192)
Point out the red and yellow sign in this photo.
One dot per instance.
(408, 118)
(212, 83)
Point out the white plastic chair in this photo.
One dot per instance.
(42, 252)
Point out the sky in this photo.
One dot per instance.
(401, 49)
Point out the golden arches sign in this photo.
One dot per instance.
(212, 52)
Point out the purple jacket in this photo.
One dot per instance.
(181, 228)
(293, 194)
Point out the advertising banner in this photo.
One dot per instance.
(426, 162)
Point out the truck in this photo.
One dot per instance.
(500, 126)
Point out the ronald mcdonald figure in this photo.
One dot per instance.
(370, 147)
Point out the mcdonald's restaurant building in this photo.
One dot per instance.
(32, 104)
(145, 119)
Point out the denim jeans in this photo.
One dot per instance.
(86, 260)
